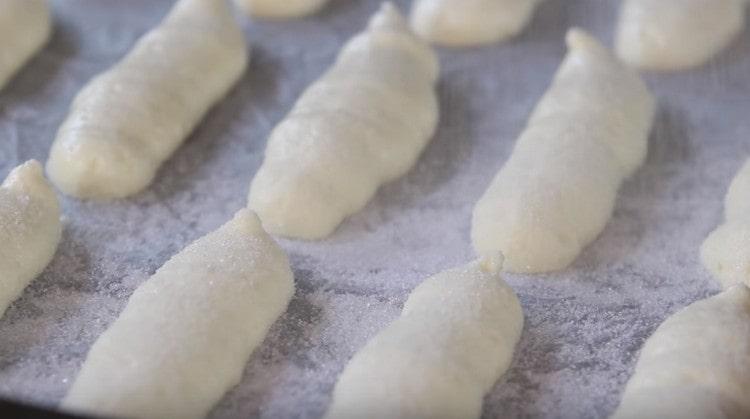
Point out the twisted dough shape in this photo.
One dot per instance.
(470, 22)
(726, 251)
(25, 27)
(696, 365)
(186, 333)
(667, 35)
(30, 229)
(557, 190)
(127, 121)
(362, 124)
(280, 9)
(455, 338)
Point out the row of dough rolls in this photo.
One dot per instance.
(540, 211)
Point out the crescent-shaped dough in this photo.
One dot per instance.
(696, 365)
(25, 27)
(128, 120)
(29, 227)
(455, 338)
(364, 123)
(676, 34)
(470, 22)
(280, 9)
(726, 251)
(186, 333)
(557, 190)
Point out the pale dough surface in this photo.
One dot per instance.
(280, 9)
(364, 123)
(726, 251)
(186, 333)
(30, 229)
(696, 365)
(25, 26)
(126, 121)
(557, 190)
(676, 34)
(470, 22)
(454, 339)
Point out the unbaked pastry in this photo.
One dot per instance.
(470, 22)
(128, 120)
(186, 333)
(280, 9)
(557, 190)
(25, 27)
(726, 251)
(364, 123)
(30, 229)
(696, 365)
(454, 339)
(676, 34)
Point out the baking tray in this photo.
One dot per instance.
(584, 326)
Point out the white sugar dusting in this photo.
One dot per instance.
(584, 325)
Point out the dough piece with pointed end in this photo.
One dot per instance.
(128, 120)
(726, 251)
(364, 123)
(676, 34)
(186, 333)
(470, 22)
(25, 27)
(696, 365)
(557, 190)
(280, 9)
(30, 229)
(454, 339)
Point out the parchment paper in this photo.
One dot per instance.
(584, 326)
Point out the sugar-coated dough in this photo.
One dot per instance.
(29, 227)
(280, 9)
(470, 22)
(726, 251)
(676, 34)
(557, 190)
(131, 118)
(454, 339)
(25, 27)
(186, 333)
(364, 123)
(696, 365)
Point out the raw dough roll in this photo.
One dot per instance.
(455, 338)
(696, 365)
(30, 229)
(364, 123)
(726, 251)
(676, 34)
(25, 27)
(186, 333)
(470, 22)
(557, 190)
(128, 120)
(280, 9)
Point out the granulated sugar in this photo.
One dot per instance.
(584, 326)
